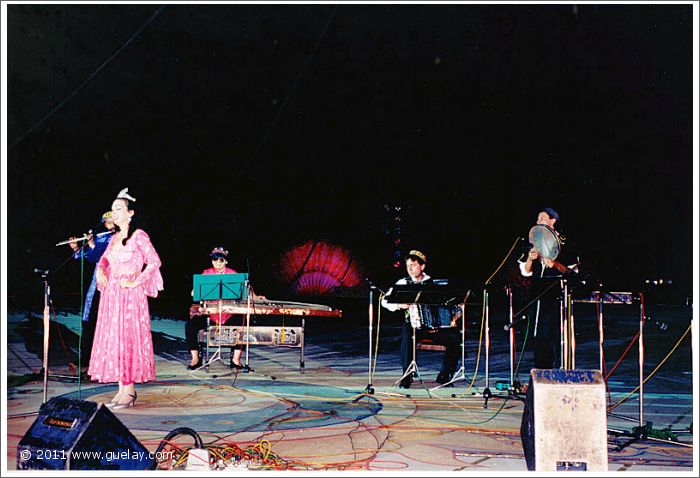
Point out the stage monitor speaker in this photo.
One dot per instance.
(79, 435)
(564, 424)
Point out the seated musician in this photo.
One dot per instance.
(195, 324)
(450, 337)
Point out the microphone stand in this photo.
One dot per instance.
(513, 385)
(246, 367)
(248, 292)
(524, 308)
(514, 382)
(487, 390)
(250, 306)
(369, 389)
(47, 335)
(47, 318)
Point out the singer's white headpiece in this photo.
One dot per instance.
(124, 194)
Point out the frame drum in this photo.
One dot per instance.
(545, 240)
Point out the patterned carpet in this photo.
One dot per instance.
(279, 416)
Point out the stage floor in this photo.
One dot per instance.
(321, 416)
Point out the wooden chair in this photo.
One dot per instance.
(429, 344)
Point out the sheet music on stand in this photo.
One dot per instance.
(425, 294)
(213, 287)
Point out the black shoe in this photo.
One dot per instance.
(406, 382)
(195, 366)
(443, 378)
(234, 365)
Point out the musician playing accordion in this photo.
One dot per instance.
(420, 318)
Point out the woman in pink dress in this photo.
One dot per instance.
(123, 348)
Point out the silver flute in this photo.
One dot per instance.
(84, 237)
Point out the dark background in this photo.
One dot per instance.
(258, 127)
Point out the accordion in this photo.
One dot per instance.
(432, 316)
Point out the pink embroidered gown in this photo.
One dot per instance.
(122, 350)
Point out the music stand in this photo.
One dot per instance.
(211, 287)
(461, 373)
(422, 294)
(218, 287)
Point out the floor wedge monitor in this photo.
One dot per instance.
(564, 424)
(79, 435)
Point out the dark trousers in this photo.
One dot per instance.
(546, 340)
(88, 331)
(450, 337)
(543, 333)
(192, 328)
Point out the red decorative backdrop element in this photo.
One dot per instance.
(317, 267)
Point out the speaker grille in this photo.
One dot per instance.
(79, 435)
(564, 424)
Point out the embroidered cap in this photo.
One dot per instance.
(219, 252)
(416, 255)
(105, 216)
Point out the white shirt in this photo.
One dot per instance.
(402, 281)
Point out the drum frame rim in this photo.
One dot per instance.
(553, 232)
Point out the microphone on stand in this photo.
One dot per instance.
(371, 285)
(515, 322)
